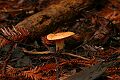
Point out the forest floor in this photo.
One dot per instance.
(92, 53)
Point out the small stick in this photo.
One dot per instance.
(36, 52)
(47, 52)
(75, 56)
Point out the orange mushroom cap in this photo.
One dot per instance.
(60, 35)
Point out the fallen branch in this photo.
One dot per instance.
(48, 52)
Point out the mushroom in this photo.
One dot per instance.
(59, 38)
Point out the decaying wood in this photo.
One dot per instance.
(47, 20)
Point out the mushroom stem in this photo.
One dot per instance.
(59, 44)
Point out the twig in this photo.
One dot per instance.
(47, 52)
(75, 56)
(36, 52)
